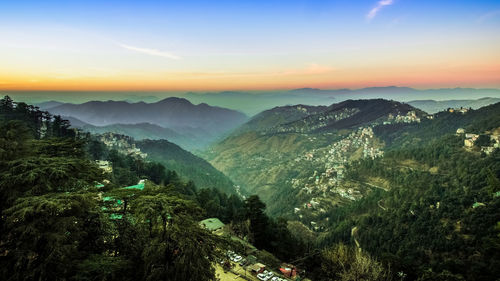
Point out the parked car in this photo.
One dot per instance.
(262, 276)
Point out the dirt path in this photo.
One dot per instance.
(354, 232)
(380, 205)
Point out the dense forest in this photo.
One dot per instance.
(60, 223)
(440, 219)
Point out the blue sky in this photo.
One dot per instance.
(247, 37)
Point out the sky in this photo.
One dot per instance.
(247, 44)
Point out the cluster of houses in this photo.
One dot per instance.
(462, 110)
(409, 117)
(470, 141)
(348, 193)
(340, 151)
(123, 144)
(333, 159)
(105, 166)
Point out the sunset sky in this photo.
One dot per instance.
(248, 45)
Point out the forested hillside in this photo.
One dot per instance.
(439, 220)
(187, 165)
(64, 218)
(58, 225)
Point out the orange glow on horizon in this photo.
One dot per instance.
(417, 77)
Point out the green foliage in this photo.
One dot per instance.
(55, 225)
(43, 233)
(167, 238)
(14, 138)
(430, 228)
(341, 262)
(41, 124)
(429, 275)
(271, 235)
(259, 222)
(100, 267)
(218, 205)
(483, 140)
(52, 165)
(187, 165)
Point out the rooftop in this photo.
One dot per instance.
(212, 224)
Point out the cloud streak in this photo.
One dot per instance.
(380, 4)
(488, 16)
(151, 52)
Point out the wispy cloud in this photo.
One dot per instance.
(380, 4)
(488, 16)
(151, 52)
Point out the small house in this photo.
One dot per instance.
(212, 224)
(468, 143)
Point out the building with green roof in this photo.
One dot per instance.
(139, 186)
(212, 224)
(115, 203)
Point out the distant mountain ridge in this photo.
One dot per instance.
(179, 118)
(432, 106)
(169, 112)
(48, 104)
(253, 103)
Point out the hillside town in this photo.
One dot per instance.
(123, 144)
(486, 142)
(327, 180)
(409, 117)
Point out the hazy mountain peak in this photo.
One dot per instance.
(175, 100)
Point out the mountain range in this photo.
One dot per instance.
(433, 106)
(252, 103)
(191, 126)
(195, 126)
